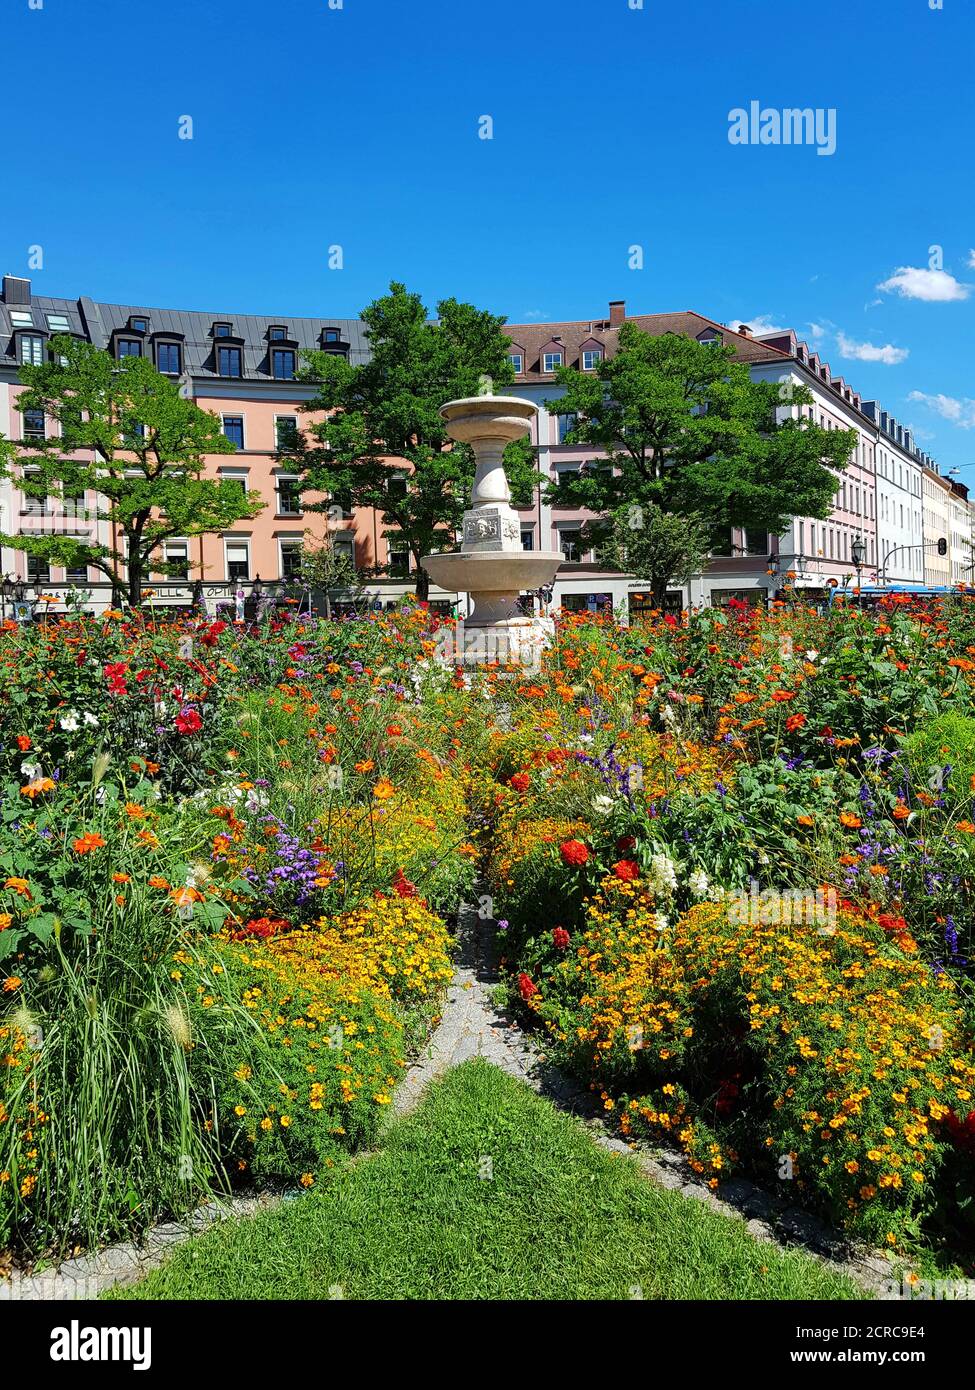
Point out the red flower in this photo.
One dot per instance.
(962, 1131)
(627, 870)
(209, 637)
(526, 987)
(560, 938)
(114, 673)
(625, 843)
(574, 853)
(402, 886)
(23, 742)
(188, 721)
(520, 781)
(795, 721)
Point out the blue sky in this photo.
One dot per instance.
(358, 127)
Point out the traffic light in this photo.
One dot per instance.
(942, 546)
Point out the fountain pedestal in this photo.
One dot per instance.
(491, 565)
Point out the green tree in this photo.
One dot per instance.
(147, 447)
(655, 546)
(324, 567)
(384, 444)
(687, 433)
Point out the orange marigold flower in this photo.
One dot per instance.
(39, 785)
(848, 819)
(966, 827)
(383, 789)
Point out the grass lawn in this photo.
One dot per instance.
(559, 1218)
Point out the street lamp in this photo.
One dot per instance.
(6, 593)
(858, 551)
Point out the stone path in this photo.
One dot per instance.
(471, 1025)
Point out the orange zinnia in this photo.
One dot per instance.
(383, 789)
(88, 842)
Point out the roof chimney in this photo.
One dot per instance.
(617, 312)
(15, 290)
(744, 330)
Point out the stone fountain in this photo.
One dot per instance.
(491, 565)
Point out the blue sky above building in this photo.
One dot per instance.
(359, 127)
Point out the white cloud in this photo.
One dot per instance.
(933, 286)
(971, 260)
(866, 352)
(531, 315)
(959, 412)
(762, 323)
(816, 332)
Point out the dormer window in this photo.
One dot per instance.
(551, 361)
(139, 324)
(331, 335)
(517, 361)
(278, 333)
(591, 359)
(283, 364)
(228, 361)
(169, 358)
(708, 339)
(222, 330)
(58, 323)
(21, 318)
(31, 349)
(128, 347)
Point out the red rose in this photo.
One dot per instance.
(188, 721)
(574, 853)
(625, 843)
(526, 987)
(627, 870)
(560, 938)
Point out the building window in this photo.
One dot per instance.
(285, 433)
(168, 358)
(517, 361)
(238, 559)
(290, 559)
(399, 560)
(566, 423)
(283, 364)
(21, 318)
(343, 543)
(177, 554)
(58, 323)
(289, 497)
(239, 479)
(569, 545)
(33, 424)
(228, 361)
(278, 334)
(528, 538)
(233, 428)
(38, 570)
(756, 543)
(332, 335)
(139, 325)
(551, 361)
(128, 347)
(591, 359)
(76, 574)
(221, 330)
(31, 350)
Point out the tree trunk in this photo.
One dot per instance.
(422, 584)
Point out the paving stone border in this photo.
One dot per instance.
(472, 1025)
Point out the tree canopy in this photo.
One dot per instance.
(146, 448)
(384, 444)
(686, 432)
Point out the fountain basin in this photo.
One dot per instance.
(493, 572)
(499, 419)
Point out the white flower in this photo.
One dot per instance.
(811, 656)
(667, 714)
(661, 923)
(603, 805)
(256, 801)
(70, 723)
(698, 883)
(31, 770)
(90, 718)
(663, 873)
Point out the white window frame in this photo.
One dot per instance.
(596, 356)
(235, 415)
(236, 543)
(277, 419)
(550, 357)
(280, 478)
